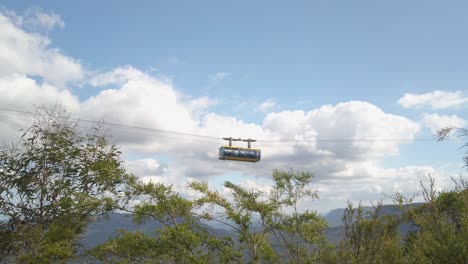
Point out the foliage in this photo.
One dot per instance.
(443, 133)
(270, 228)
(263, 231)
(369, 236)
(182, 239)
(439, 233)
(442, 225)
(52, 184)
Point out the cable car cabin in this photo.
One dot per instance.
(239, 154)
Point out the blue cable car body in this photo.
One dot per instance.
(239, 154)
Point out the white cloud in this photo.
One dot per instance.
(435, 121)
(379, 183)
(353, 120)
(117, 76)
(33, 73)
(374, 183)
(145, 167)
(18, 92)
(21, 92)
(201, 103)
(436, 99)
(37, 19)
(266, 106)
(31, 53)
(139, 99)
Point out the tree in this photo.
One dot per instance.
(443, 133)
(369, 236)
(270, 228)
(441, 233)
(266, 228)
(53, 183)
(179, 238)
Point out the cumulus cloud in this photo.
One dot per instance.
(382, 183)
(145, 167)
(141, 100)
(31, 72)
(436, 99)
(266, 106)
(359, 122)
(435, 121)
(201, 103)
(30, 53)
(116, 76)
(287, 138)
(34, 73)
(290, 138)
(20, 92)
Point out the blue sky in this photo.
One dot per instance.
(309, 51)
(296, 56)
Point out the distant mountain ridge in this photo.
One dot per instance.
(335, 228)
(334, 216)
(106, 227)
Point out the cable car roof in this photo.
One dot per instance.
(235, 147)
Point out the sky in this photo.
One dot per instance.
(289, 75)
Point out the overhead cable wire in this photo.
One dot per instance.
(220, 138)
(347, 140)
(118, 125)
(127, 132)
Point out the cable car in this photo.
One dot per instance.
(239, 153)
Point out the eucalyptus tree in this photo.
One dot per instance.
(53, 183)
(264, 227)
(269, 227)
